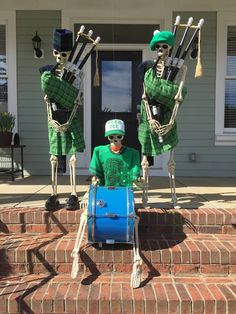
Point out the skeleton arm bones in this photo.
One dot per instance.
(155, 125)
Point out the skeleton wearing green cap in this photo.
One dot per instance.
(157, 130)
(115, 164)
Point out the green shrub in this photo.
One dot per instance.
(7, 122)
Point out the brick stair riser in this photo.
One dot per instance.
(205, 256)
(149, 230)
(101, 268)
(114, 295)
(155, 221)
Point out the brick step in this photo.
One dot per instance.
(111, 293)
(154, 221)
(168, 254)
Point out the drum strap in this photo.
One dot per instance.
(137, 261)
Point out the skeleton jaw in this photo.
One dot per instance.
(162, 52)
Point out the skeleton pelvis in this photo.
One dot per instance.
(60, 91)
(61, 115)
(160, 90)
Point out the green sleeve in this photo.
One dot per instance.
(135, 170)
(95, 166)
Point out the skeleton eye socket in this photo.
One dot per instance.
(161, 46)
(64, 54)
(56, 52)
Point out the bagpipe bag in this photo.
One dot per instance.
(59, 90)
(71, 141)
(162, 91)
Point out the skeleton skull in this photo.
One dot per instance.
(115, 142)
(162, 50)
(61, 57)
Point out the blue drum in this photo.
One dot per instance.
(111, 214)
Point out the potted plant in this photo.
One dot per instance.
(7, 123)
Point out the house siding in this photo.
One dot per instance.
(32, 113)
(196, 118)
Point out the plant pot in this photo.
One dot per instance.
(5, 138)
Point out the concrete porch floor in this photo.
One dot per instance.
(192, 192)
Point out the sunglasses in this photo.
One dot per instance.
(111, 137)
(162, 46)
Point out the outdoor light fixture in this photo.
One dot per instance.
(192, 157)
(36, 41)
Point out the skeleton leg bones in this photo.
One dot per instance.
(53, 202)
(72, 202)
(171, 171)
(145, 166)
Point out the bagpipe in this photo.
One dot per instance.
(65, 89)
(163, 92)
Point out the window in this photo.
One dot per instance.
(230, 80)
(3, 70)
(225, 126)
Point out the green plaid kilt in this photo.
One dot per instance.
(59, 90)
(162, 92)
(64, 143)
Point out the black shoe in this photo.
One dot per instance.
(52, 203)
(72, 202)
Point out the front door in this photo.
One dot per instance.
(117, 96)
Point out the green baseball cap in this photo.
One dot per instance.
(114, 126)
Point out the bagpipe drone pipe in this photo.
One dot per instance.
(174, 64)
(61, 89)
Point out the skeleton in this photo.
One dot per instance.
(112, 164)
(65, 136)
(162, 55)
(61, 59)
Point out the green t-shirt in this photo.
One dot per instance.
(115, 169)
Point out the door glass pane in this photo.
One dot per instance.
(116, 86)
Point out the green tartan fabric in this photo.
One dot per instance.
(163, 92)
(69, 142)
(59, 90)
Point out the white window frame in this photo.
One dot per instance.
(8, 18)
(223, 136)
